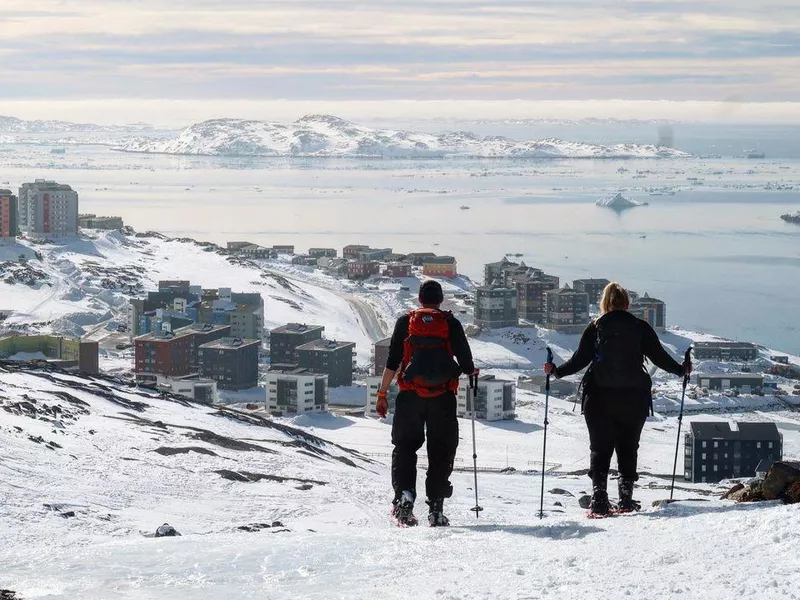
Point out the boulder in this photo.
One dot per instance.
(585, 501)
(727, 495)
(793, 493)
(167, 530)
(780, 477)
(560, 492)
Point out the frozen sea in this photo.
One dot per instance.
(710, 242)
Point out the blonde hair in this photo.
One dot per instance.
(615, 297)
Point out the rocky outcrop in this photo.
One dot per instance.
(781, 482)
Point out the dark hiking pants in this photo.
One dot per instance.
(413, 418)
(615, 418)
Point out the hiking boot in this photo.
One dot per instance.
(626, 501)
(599, 506)
(403, 509)
(436, 516)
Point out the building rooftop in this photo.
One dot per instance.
(384, 342)
(203, 327)
(165, 336)
(730, 376)
(293, 370)
(326, 345)
(297, 328)
(229, 343)
(440, 260)
(593, 280)
(724, 344)
(6, 192)
(648, 298)
(707, 430)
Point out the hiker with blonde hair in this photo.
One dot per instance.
(617, 395)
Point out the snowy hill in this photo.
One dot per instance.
(14, 125)
(326, 135)
(298, 509)
(84, 284)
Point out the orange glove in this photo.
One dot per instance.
(382, 405)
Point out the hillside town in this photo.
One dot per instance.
(211, 344)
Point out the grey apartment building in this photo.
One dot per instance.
(329, 357)
(593, 288)
(714, 451)
(496, 307)
(284, 341)
(380, 355)
(650, 309)
(47, 209)
(567, 310)
(231, 362)
(532, 299)
(725, 351)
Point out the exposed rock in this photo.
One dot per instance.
(585, 501)
(165, 451)
(733, 490)
(557, 504)
(304, 487)
(167, 530)
(793, 493)
(8, 595)
(779, 478)
(246, 476)
(561, 492)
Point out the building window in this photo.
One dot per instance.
(758, 444)
(703, 468)
(705, 444)
(716, 468)
(770, 446)
(716, 444)
(703, 456)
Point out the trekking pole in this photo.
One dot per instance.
(473, 388)
(546, 423)
(687, 360)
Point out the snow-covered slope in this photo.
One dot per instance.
(298, 509)
(84, 283)
(326, 135)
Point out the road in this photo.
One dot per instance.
(370, 322)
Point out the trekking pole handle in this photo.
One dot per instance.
(687, 360)
(549, 361)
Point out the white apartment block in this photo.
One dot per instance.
(48, 209)
(497, 399)
(296, 392)
(373, 383)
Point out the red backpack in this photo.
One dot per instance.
(428, 367)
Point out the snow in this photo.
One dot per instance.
(327, 135)
(339, 542)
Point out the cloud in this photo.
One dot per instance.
(386, 50)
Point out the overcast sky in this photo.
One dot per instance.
(202, 52)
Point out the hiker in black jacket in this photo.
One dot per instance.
(421, 356)
(617, 392)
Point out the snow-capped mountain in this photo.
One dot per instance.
(326, 135)
(11, 125)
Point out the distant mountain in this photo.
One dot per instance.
(327, 135)
(15, 125)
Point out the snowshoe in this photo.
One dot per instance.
(626, 502)
(600, 507)
(436, 516)
(403, 510)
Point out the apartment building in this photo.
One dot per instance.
(567, 310)
(440, 266)
(726, 351)
(496, 399)
(532, 297)
(329, 357)
(380, 354)
(593, 288)
(92, 221)
(163, 353)
(650, 309)
(373, 384)
(284, 341)
(496, 306)
(8, 214)
(47, 209)
(714, 451)
(231, 362)
(295, 392)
